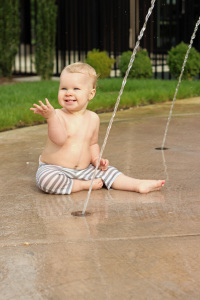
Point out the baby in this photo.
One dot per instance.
(71, 153)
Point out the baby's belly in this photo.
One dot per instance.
(71, 157)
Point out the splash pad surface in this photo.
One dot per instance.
(131, 245)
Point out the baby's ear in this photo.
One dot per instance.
(92, 94)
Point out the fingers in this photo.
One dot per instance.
(38, 106)
(48, 103)
(37, 109)
(43, 106)
(43, 109)
(104, 164)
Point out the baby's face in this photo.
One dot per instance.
(75, 91)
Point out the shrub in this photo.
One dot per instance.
(45, 33)
(176, 58)
(101, 62)
(141, 68)
(9, 35)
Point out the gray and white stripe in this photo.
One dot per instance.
(54, 179)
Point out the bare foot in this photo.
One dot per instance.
(126, 183)
(147, 186)
(80, 185)
(97, 184)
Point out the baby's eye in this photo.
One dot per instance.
(64, 89)
(76, 89)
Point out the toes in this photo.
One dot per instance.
(100, 183)
(161, 183)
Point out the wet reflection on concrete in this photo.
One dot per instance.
(132, 245)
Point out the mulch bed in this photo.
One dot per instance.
(4, 80)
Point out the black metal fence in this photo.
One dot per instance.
(112, 25)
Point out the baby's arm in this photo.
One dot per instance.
(95, 151)
(56, 130)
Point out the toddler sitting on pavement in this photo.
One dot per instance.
(68, 161)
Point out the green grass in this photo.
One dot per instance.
(16, 99)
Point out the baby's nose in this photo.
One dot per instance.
(69, 92)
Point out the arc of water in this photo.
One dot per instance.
(165, 166)
(179, 81)
(118, 99)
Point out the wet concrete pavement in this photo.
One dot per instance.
(132, 246)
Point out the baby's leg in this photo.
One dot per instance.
(126, 183)
(53, 180)
(80, 185)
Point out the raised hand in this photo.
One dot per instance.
(46, 111)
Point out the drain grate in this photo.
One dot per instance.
(79, 213)
(161, 148)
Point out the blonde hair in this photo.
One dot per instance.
(83, 68)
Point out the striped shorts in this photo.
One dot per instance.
(54, 179)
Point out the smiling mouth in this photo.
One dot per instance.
(69, 101)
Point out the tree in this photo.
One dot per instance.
(9, 35)
(45, 33)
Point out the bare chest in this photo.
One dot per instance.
(80, 130)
